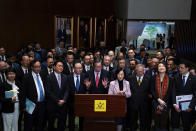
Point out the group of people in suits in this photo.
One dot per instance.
(150, 89)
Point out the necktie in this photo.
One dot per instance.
(183, 80)
(97, 79)
(139, 81)
(77, 83)
(26, 71)
(40, 89)
(50, 71)
(59, 80)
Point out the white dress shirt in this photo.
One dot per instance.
(24, 69)
(141, 78)
(186, 77)
(36, 84)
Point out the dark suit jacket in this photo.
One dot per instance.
(44, 73)
(72, 87)
(84, 70)
(54, 93)
(20, 73)
(187, 90)
(168, 96)
(61, 33)
(150, 73)
(66, 70)
(140, 93)
(7, 104)
(100, 89)
(29, 89)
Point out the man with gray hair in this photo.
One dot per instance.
(106, 63)
(138, 103)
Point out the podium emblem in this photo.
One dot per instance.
(100, 105)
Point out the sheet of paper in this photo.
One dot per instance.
(184, 105)
(183, 98)
(30, 106)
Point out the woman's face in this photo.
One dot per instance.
(11, 76)
(120, 75)
(161, 68)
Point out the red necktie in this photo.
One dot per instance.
(97, 79)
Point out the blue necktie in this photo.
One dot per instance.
(77, 83)
(40, 89)
(183, 80)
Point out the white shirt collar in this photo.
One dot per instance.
(187, 74)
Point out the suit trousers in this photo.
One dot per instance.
(37, 116)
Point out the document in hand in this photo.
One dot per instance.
(183, 101)
(9, 94)
(30, 106)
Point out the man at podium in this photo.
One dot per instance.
(97, 79)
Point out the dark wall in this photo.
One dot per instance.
(23, 20)
(185, 36)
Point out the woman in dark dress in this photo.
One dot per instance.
(161, 89)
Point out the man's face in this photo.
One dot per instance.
(2, 51)
(87, 60)
(132, 65)
(91, 59)
(140, 71)
(106, 61)
(98, 54)
(167, 51)
(70, 58)
(31, 53)
(131, 54)
(121, 63)
(36, 67)
(25, 61)
(159, 55)
(123, 43)
(58, 68)
(155, 62)
(192, 71)
(78, 68)
(170, 65)
(37, 46)
(3, 66)
(98, 67)
(61, 44)
(183, 70)
(111, 54)
(50, 62)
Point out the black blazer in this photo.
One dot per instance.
(7, 104)
(72, 87)
(187, 90)
(84, 70)
(29, 89)
(139, 94)
(44, 73)
(66, 70)
(100, 89)
(54, 93)
(20, 73)
(168, 97)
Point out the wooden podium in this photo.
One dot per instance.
(99, 110)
